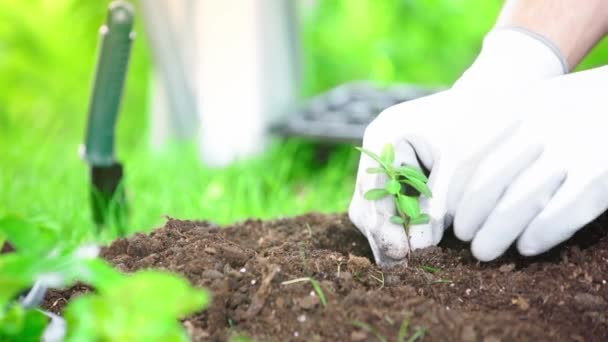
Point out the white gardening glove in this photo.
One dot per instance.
(547, 179)
(428, 129)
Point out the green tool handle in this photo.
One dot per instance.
(116, 36)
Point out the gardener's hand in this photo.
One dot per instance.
(544, 181)
(437, 131)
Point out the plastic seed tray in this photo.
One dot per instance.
(342, 113)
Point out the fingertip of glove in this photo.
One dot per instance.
(421, 236)
(484, 252)
(462, 230)
(527, 248)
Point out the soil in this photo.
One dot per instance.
(444, 291)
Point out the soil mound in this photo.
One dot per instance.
(444, 291)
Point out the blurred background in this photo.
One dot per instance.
(47, 58)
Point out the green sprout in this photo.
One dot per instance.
(315, 286)
(405, 183)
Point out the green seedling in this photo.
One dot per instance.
(404, 183)
(379, 279)
(403, 331)
(315, 286)
(429, 269)
(401, 335)
(141, 306)
(370, 329)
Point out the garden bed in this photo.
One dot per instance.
(562, 295)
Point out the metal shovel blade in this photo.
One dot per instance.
(108, 199)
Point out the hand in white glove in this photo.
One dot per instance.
(546, 179)
(436, 130)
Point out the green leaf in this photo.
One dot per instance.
(392, 186)
(409, 205)
(421, 219)
(411, 173)
(430, 269)
(17, 272)
(418, 334)
(20, 324)
(371, 155)
(403, 329)
(373, 170)
(177, 299)
(388, 154)
(397, 219)
(28, 237)
(419, 185)
(375, 194)
(319, 291)
(370, 329)
(144, 306)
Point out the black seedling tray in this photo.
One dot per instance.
(342, 113)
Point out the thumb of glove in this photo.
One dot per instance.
(430, 234)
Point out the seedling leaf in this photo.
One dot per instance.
(400, 181)
(392, 186)
(28, 237)
(417, 335)
(411, 173)
(97, 317)
(388, 154)
(403, 329)
(421, 219)
(375, 194)
(373, 170)
(419, 185)
(319, 291)
(397, 220)
(409, 205)
(369, 329)
(430, 269)
(372, 155)
(20, 324)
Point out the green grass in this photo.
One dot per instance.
(49, 180)
(42, 120)
(47, 54)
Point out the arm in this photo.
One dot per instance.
(536, 39)
(573, 26)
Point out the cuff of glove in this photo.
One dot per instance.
(544, 40)
(512, 55)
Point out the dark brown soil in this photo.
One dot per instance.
(562, 295)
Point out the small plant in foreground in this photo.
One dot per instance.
(143, 306)
(404, 183)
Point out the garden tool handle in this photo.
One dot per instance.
(116, 36)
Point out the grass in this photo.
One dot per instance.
(48, 180)
(315, 286)
(47, 53)
(430, 269)
(401, 335)
(43, 106)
